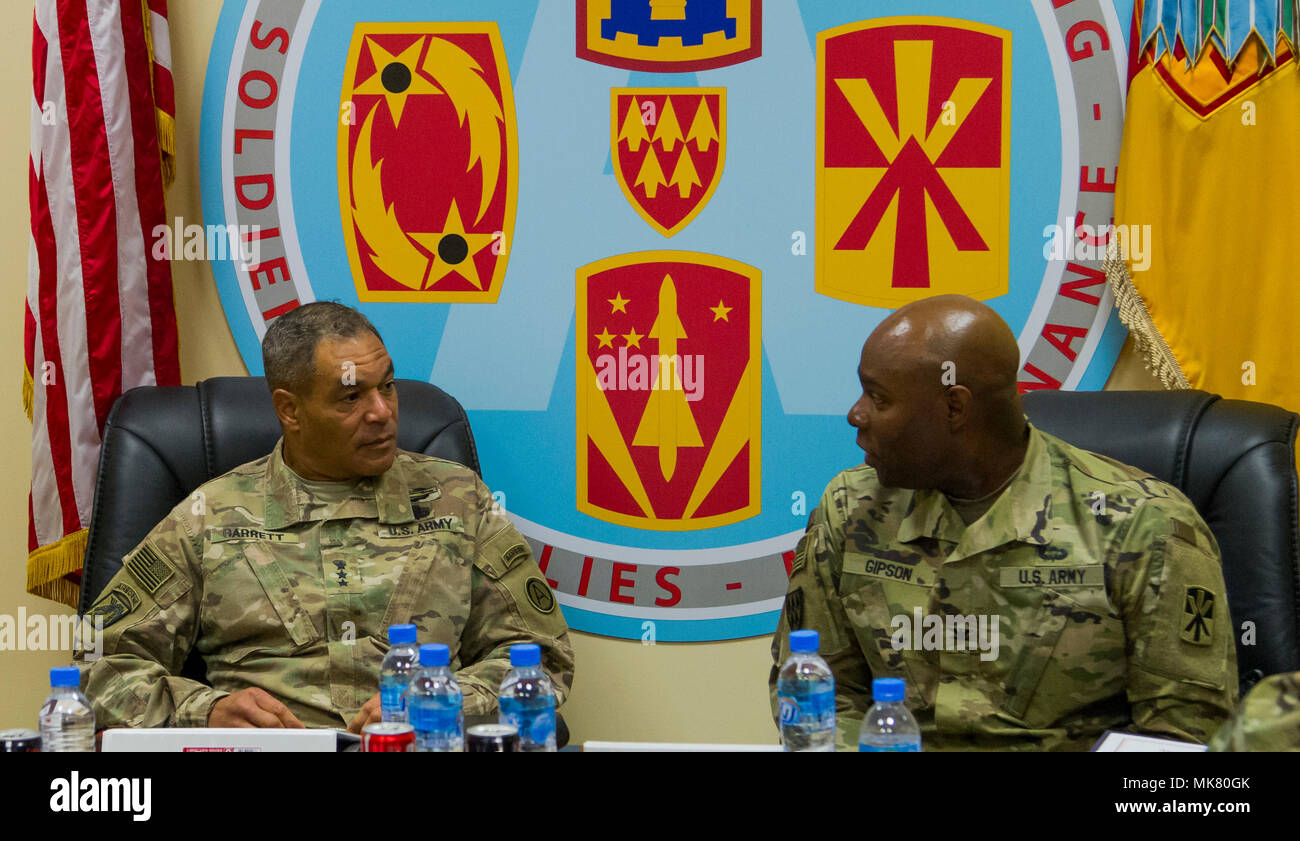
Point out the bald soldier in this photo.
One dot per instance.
(1031, 594)
(287, 575)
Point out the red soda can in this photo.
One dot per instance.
(387, 737)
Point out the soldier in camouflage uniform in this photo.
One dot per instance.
(1268, 718)
(1102, 584)
(285, 573)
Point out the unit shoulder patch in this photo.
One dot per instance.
(113, 605)
(1198, 616)
(539, 595)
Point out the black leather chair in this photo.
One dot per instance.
(160, 443)
(1235, 460)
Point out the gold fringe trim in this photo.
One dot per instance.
(29, 392)
(48, 566)
(1156, 353)
(166, 123)
(166, 146)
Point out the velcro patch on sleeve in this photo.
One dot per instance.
(497, 555)
(539, 595)
(113, 605)
(1198, 616)
(1183, 531)
(149, 567)
(1187, 636)
(515, 555)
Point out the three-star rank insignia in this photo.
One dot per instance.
(913, 164)
(668, 146)
(669, 36)
(668, 390)
(427, 162)
(1198, 616)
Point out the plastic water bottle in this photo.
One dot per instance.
(395, 672)
(527, 699)
(888, 726)
(434, 703)
(67, 720)
(805, 691)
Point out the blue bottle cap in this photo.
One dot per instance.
(887, 689)
(401, 634)
(65, 676)
(434, 654)
(525, 654)
(805, 641)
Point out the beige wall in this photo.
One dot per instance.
(618, 693)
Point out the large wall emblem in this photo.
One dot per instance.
(642, 241)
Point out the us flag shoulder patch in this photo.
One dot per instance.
(149, 567)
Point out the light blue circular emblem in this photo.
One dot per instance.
(512, 363)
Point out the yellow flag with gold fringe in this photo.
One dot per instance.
(1208, 178)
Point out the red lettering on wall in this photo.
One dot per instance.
(586, 576)
(1101, 185)
(257, 76)
(261, 233)
(263, 41)
(617, 582)
(544, 561)
(242, 134)
(673, 591)
(268, 268)
(1062, 336)
(1077, 48)
(244, 181)
(276, 312)
(1090, 277)
(1044, 381)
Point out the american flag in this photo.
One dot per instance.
(100, 318)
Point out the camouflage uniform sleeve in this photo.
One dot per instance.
(511, 603)
(1268, 718)
(812, 603)
(150, 612)
(1182, 656)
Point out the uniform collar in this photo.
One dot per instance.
(386, 496)
(1019, 514)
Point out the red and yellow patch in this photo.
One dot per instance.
(668, 390)
(428, 162)
(668, 147)
(913, 164)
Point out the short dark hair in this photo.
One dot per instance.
(289, 347)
